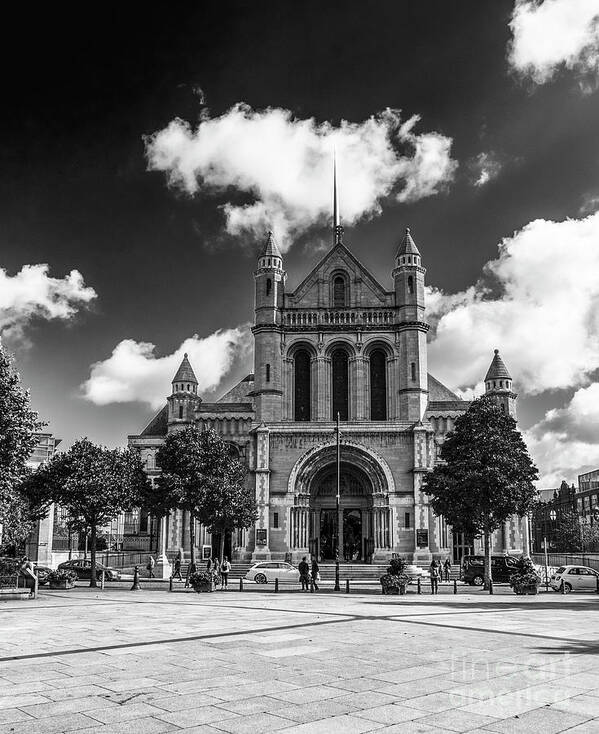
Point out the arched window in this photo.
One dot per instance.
(267, 373)
(302, 391)
(339, 300)
(268, 286)
(413, 371)
(410, 284)
(340, 389)
(378, 385)
(180, 412)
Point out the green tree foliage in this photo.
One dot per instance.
(229, 503)
(94, 484)
(18, 426)
(485, 474)
(574, 535)
(196, 466)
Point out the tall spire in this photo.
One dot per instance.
(337, 228)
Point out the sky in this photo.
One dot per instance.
(144, 154)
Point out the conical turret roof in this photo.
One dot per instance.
(271, 249)
(407, 245)
(497, 369)
(185, 372)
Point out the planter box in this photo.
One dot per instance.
(527, 590)
(62, 584)
(206, 588)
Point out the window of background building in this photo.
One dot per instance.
(378, 385)
(275, 520)
(302, 386)
(406, 520)
(339, 296)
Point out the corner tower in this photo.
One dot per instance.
(408, 277)
(498, 384)
(269, 280)
(184, 399)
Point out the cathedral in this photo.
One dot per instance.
(338, 350)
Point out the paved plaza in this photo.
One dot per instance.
(150, 661)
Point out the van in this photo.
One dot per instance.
(502, 567)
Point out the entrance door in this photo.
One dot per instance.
(352, 534)
(328, 534)
(463, 545)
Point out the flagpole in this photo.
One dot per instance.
(337, 587)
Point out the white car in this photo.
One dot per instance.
(574, 578)
(268, 571)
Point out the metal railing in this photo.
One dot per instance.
(567, 559)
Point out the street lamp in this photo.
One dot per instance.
(552, 516)
(337, 586)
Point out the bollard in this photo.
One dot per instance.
(240, 584)
(490, 586)
(455, 586)
(311, 585)
(597, 585)
(170, 584)
(563, 587)
(102, 580)
(402, 589)
(419, 586)
(136, 586)
(277, 586)
(347, 586)
(35, 589)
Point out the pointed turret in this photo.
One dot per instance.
(185, 372)
(184, 399)
(407, 247)
(498, 384)
(271, 249)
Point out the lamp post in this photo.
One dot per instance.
(552, 516)
(338, 498)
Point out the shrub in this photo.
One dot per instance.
(62, 574)
(525, 574)
(201, 578)
(396, 567)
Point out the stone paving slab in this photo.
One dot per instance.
(120, 662)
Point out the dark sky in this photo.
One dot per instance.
(83, 83)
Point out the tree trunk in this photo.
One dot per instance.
(487, 572)
(92, 578)
(192, 538)
(222, 545)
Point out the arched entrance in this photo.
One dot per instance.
(361, 527)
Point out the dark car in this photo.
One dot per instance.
(502, 567)
(83, 569)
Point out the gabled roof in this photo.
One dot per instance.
(158, 426)
(271, 249)
(437, 391)
(497, 370)
(239, 393)
(342, 252)
(407, 246)
(185, 372)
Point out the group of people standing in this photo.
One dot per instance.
(220, 570)
(438, 572)
(309, 573)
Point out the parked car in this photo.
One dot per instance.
(83, 569)
(574, 578)
(502, 567)
(268, 571)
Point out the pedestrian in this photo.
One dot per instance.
(216, 571)
(177, 572)
(447, 567)
(26, 569)
(315, 573)
(304, 572)
(209, 564)
(150, 567)
(225, 568)
(434, 574)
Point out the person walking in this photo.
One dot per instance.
(447, 567)
(225, 568)
(216, 571)
(304, 572)
(434, 574)
(177, 567)
(150, 567)
(315, 573)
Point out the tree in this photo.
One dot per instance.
(485, 475)
(229, 504)
(18, 427)
(94, 484)
(573, 534)
(193, 463)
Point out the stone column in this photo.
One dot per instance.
(360, 384)
(163, 567)
(261, 548)
(323, 388)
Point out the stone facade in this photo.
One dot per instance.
(339, 345)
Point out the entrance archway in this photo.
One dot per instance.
(362, 525)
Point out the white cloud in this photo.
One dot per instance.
(284, 165)
(565, 442)
(553, 34)
(484, 168)
(133, 373)
(32, 294)
(538, 302)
